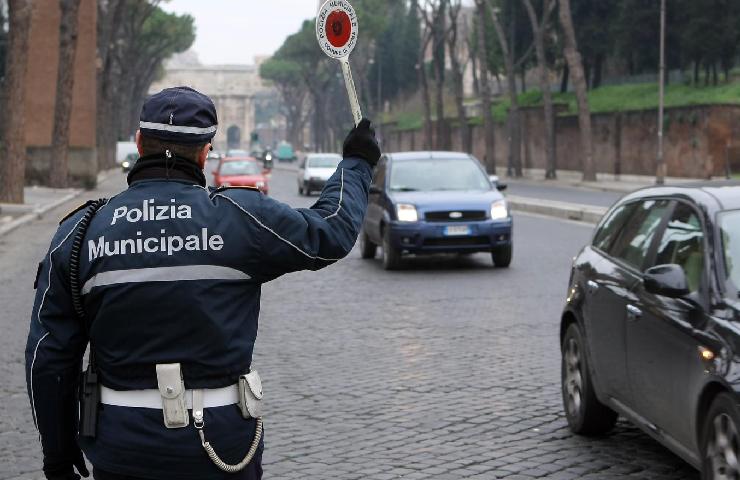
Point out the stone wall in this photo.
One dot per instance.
(698, 141)
(43, 61)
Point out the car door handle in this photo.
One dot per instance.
(592, 286)
(633, 313)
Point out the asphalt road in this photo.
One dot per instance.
(448, 369)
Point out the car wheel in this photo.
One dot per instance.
(585, 413)
(391, 256)
(720, 445)
(367, 247)
(502, 256)
(300, 189)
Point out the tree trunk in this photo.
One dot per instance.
(59, 172)
(514, 167)
(109, 27)
(439, 25)
(696, 72)
(539, 28)
(457, 77)
(523, 75)
(706, 74)
(439, 107)
(564, 79)
(426, 99)
(575, 64)
(13, 150)
(598, 70)
(474, 69)
(485, 88)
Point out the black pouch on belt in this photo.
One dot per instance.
(89, 400)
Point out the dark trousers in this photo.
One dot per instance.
(253, 472)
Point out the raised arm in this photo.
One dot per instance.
(313, 238)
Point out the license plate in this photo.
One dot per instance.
(457, 231)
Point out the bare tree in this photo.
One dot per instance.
(575, 65)
(426, 99)
(485, 88)
(511, 65)
(59, 171)
(110, 26)
(539, 29)
(434, 14)
(13, 150)
(458, 67)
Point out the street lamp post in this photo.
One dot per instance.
(660, 164)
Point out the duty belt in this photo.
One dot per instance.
(212, 398)
(175, 401)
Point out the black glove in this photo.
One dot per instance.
(361, 143)
(65, 470)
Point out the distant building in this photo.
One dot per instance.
(233, 88)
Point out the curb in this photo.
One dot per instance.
(567, 211)
(37, 213)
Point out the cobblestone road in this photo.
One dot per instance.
(448, 369)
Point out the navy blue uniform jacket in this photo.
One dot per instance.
(172, 272)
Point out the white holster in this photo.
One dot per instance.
(172, 389)
(250, 395)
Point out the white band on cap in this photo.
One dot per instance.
(178, 129)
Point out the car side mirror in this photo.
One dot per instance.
(375, 190)
(667, 280)
(496, 183)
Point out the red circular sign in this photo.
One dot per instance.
(338, 28)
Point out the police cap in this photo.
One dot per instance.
(179, 115)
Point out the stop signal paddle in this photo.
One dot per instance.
(336, 30)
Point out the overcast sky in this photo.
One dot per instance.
(234, 31)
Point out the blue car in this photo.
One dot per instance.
(435, 202)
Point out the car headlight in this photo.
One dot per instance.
(499, 210)
(406, 213)
(260, 184)
(126, 164)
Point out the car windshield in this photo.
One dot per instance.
(239, 168)
(323, 162)
(729, 224)
(437, 175)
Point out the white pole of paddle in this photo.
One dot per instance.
(354, 101)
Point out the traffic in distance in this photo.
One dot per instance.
(648, 331)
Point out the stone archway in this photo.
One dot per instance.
(234, 137)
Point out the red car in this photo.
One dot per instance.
(240, 172)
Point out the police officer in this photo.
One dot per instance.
(167, 292)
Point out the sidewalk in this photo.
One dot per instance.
(37, 202)
(606, 182)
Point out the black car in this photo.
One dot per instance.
(651, 327)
